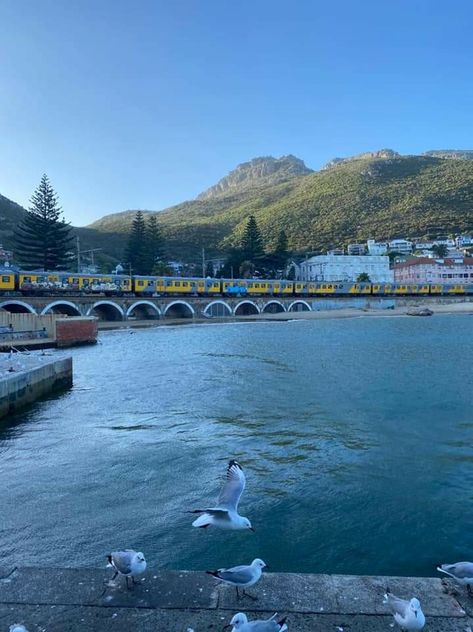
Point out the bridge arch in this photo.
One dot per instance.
(274, 307)
(218, 309)
(17, 307)
(299, 306)
(144, 310)
(106, 310)
(246, 308)
(179, 309)
(62, 307)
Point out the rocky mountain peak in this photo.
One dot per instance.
(381, 154)
(263, 170)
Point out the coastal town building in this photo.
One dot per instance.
(356, 249)
(345, 268)
(376, 247)
(428, 270)
(403, 246)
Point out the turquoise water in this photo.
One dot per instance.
(356, 436)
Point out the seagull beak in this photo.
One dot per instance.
(252, 529)
(225, 627)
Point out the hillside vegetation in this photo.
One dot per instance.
(353, 200)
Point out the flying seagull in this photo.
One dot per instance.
(240, 623)
(225, 515)
(462, 572)
(407, 614)
(241, 576)
(128, 563)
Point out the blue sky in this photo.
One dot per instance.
(146, 103)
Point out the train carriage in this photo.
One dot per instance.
(234, 287)
(7, 281)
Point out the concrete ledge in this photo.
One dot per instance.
(32, 377)
(60, 600)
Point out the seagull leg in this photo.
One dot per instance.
(135, 582)
(468, 588)
(252, 597)
(238, 594)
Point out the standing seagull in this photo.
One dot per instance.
(225, 515)
(240, 623)
(128, 563)
(407, 614)
(462, 572)
(241, 576)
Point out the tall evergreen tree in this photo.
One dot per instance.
(280, 253)
(42, 238)
(154, 243)
(136, 252)
(252, 241)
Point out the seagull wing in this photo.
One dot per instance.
(121, 560)
(238, 575)
(397, 605)
(233, 487)
(264, 626)
(460, 570)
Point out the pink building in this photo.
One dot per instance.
(427, 270)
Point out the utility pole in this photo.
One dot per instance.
(78, 254)
(203, 263)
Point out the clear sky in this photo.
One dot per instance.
(131, 104)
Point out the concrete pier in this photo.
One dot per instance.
(24, 378)
(69, 600)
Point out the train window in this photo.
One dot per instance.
(177, 284)
(5, 279)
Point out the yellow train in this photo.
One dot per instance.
(44, 283)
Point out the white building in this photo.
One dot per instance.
(403, 246)
(346, 268)
(377, 247)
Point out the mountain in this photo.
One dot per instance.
(257, 172)
(374, 195)
(381, 153)
(110, 246)
(453, 154)
(378, 194)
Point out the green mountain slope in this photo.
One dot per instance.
(111, 245)
(352, 200)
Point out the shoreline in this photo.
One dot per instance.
(442, 309)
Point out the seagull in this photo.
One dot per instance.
(240, 623)
(17, 627)
(407, 614)
(241, 576)
(462, 572)
(225, 515)
(128, 563)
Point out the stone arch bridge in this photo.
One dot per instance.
(134, 308)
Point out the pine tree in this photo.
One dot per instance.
(154, 243)
(252, 242)
(136, 252)
(280, 253)
(43, 239)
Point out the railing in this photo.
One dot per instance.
(31, 334)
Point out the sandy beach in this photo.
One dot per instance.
(401, 311)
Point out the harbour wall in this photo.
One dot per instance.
(24, 379)
(69, 600)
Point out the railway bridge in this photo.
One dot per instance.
(149, 308)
